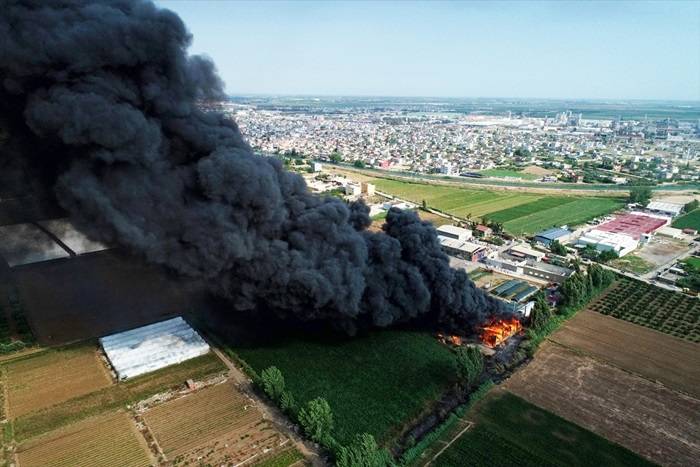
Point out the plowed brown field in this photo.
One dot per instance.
(643, 416)
(652, 354)
(106, 441)
(216, 425)
(39, 381)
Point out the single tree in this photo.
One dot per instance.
(640, 195)
(272, 382)
(557, 248)
(317, 420)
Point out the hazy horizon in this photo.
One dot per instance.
(528, 50)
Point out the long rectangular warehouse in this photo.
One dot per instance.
(152, 347)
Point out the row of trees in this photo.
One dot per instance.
(580, 287)
(316, 420)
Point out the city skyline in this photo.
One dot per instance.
(526, 50)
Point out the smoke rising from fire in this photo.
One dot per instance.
(108, 91)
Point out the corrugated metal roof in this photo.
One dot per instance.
(152, 347)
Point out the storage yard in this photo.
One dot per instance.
(643, 416)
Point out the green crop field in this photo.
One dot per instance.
(508, 173)
(510, 431)
(374, 384)
(688, 221)
(519, 212)
(656, 308)
(693, 262)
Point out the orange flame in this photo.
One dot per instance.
(499, 331)
(454, 340)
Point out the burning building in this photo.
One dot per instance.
(499, 330)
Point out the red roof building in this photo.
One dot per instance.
(633, 225)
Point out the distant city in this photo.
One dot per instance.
(625, 142)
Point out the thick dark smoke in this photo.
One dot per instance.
(108, 90)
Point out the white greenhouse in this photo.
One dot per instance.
(152, 347)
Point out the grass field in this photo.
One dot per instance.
(373, 384)
(105, 441)
(641, 415)
(510, 431)
(693, 262)
(688, 221)
(519, 212)
(114, 396)
(508, 173)
(47, 378)
(215, 426)
(633, 263)
(645, 304)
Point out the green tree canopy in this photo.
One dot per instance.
(316, 418)
(272, 382)
(640, 195)
(363, 452)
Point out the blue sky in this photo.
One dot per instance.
(624, 50)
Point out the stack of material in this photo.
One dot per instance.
(152, 347)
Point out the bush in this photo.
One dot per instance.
(317, 420)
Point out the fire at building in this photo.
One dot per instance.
(499, 330)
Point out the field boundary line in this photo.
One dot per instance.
(459, 435)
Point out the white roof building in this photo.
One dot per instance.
(671, 209)
(452, 231)
(604, 241)
(152, 347)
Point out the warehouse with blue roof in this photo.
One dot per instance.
(557, 233)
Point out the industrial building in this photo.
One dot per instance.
(548, 236)
(603, 240)
(26, 243)
(454, 232)
(664, 208)
(76, 241)
(634, 224)
(461, 249)
(538, 270)
(520, 252)
(152, 347)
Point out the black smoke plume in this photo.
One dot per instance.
(109, 96)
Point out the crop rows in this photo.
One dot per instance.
(688, 221)
(107, 441)
(51, 377)
(194, 420)
(653, 307)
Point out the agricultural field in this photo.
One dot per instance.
(214, 426)
(108, 440)
(112, 397)
(688, 221)
(508, 430)
(520, 212)
(644, 416)
(645, 304)
(46, 378)
(374, 383)
(640, 350)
